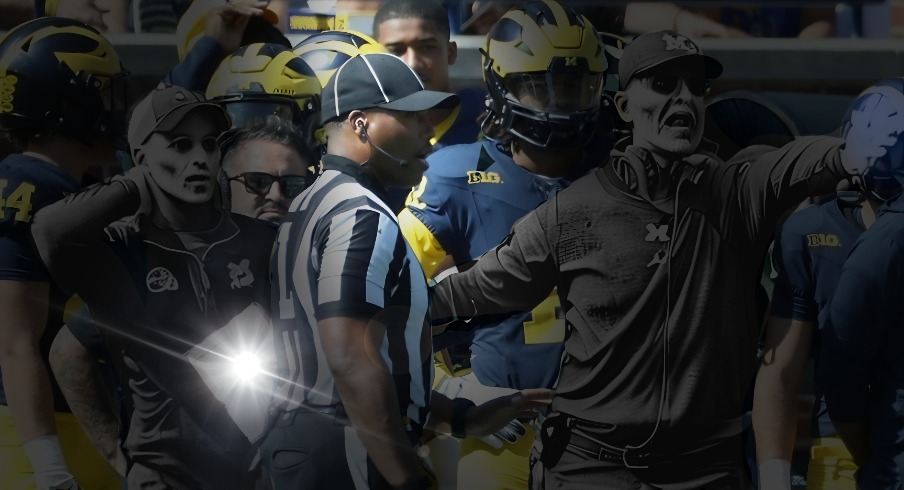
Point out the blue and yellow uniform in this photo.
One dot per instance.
(466, 204)
(28, 184)
(865, 382)
(810, 250)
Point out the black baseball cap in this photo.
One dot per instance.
(655, 48)
(378, 80)
(165, 107)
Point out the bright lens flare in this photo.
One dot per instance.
(246, 366)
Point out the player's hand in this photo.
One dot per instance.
(81, 10)
(510, 434)
(496, 414)
(226, 24)
(874, 128)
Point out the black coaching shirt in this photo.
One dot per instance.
(340, 253)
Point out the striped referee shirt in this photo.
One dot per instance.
(340, 253)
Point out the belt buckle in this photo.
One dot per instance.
(633, 459)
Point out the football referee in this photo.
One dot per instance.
(350, 301)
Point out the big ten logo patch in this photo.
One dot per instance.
(478, 177)
(7, 89)
(677, 41)
(823, 240)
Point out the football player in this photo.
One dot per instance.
(544, 67)
(62, 102)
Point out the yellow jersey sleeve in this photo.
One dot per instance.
(426, 247)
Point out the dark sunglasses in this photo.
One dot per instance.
(665, 83)
(260, 183)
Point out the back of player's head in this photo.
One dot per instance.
(326, 51)
(267, 79)
(428, 10)
(542, 59)
(877, 112)
(62, 76)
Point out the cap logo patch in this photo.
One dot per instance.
(677, 41)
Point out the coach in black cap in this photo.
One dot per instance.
(656, 257)
(356, 350)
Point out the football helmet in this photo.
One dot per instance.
(544, 66)
(58, 74)
(881, 108)
(326, 51)
(263, 79)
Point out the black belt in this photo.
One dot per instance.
(629, 457)
(638, 457)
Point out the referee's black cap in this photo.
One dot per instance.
(378, 80)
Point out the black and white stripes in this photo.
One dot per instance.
(341, 253)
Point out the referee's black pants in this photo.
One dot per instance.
(310, 450)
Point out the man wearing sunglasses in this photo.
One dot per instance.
(266, 164)
(656, 257)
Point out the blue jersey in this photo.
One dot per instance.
(27, 184)
(810, 249)
(864, 336)
(468, 201)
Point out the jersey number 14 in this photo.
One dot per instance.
(19, 199)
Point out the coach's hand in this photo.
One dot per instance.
(874, 128)
(496, 414)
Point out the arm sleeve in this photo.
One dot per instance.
(514, 277)
(70, 234)
(423, 243)
(440, 212)
(361, 253)
(793, 296)
(864, 303)
(198, 67)
(768, 183)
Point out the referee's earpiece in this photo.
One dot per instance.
(359, 124)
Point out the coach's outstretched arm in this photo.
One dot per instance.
(513, 277)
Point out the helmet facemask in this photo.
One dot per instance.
(546, 109)
(544, 67)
